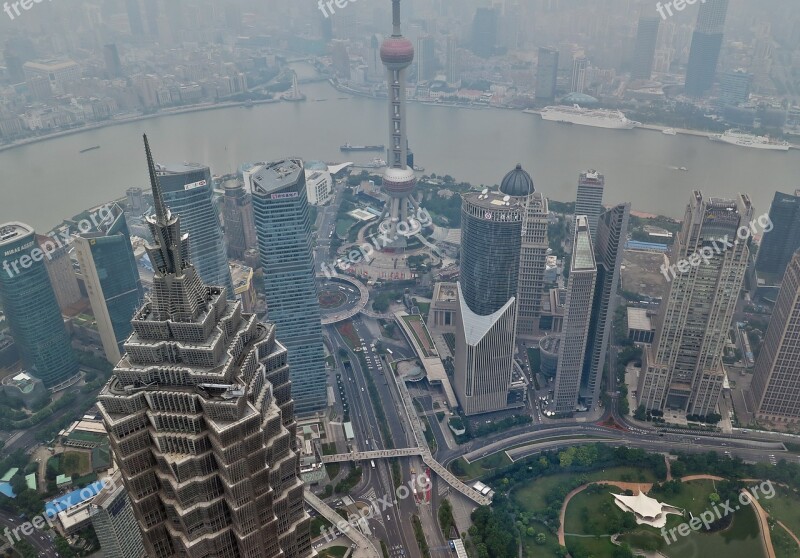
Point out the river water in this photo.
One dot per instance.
(43, 183)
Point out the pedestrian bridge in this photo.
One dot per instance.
(427, 458)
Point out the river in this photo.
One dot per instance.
(44, 182)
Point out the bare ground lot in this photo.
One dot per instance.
(641, 273)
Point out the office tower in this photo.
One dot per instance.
(484, 32)
(612, 232)
(240, 230)
(589, 201)
(136, 204)
(775, 389)
(453, 67)
(546, 75)
(682, 369)
(114, 522)
(113, 63)
(533, 249)
(283, 229)
(734, 87)
(779, 244)
(577, 316)
(706, 46)
(579, 64)
(200, 417)
(61, 272)
(187, 191)
(645, 49)
(426, 62)
(340, 58)
(134, 17)
(399, 182)
(112, 281)
(31, 308)
(375, 69)
(491, 241)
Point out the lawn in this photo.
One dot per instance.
(343, 225)
(532, 496)
(74, 463)
(333, 552)
(595, 514)
(785, 507)
(530, 549)
(349, 334)
(478, 468)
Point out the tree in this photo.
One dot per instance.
(641, 413)
(541, 538)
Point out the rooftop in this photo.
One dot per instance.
(14, 231)
(582, 253)
(273, 177)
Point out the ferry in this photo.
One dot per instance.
(90, 148)
(350, 147)
(598, 118)
(742, 139)
(669, 132)
(376, 163)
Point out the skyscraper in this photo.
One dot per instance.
(577, 316)
(240, 231)
(491, 241)
(589, 201)
(31, 308)
(399, 182)
(134, 17)
(452, 61)
(62, 274)
(113, 63)
(187, 191)
(283, 229)
(775, 389)
(612, 231)
(779, 244)
(200, 416)
(114, 522)
(734, 87)
(706, 46)
(546, 75)
(579, 64)
(533, 249)
(645, 49)
(484, 32)
(112, 281)
(426, 62)
(682, 369)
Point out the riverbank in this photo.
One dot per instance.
(127, 120)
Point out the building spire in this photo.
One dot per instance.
(162, 213)
(396, 18)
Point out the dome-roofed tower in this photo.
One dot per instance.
(517, 183)
(399, 182)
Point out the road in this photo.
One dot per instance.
(39, 539)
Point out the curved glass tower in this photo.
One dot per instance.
(31, 308)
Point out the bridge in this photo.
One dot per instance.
(365, 548)
(427, 458)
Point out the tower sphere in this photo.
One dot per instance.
(397, 53)
(399, 183)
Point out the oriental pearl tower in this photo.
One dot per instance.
(397, 54)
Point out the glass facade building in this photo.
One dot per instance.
(783, 240)
(187, 192)
(31, 308)
(111, 278)
(283, 229)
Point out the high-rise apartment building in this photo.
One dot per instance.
(706, 46)
(533, 249)
(609, 244)
(187, 191)
(283, 229)
(31, 309)
(200, 416)
(114, 522)
(779, 244)
(682, 369)
(589, 201)
(644, 50)
(546, 75)
(451, 59)
(734, 87)
(111, 278)
(577, 316)
(484, 32)
(775, 389)
(579, 65)
(240, 231)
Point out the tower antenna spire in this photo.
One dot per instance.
(396, 18)
(162, 213)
